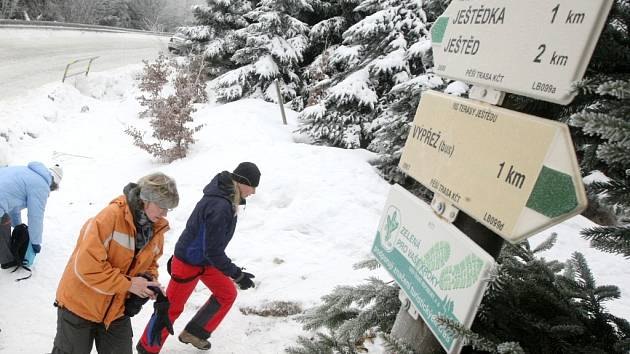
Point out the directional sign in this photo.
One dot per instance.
(515, 173)
(535, 48)
(441, 270)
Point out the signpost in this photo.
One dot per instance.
(535, 48)
(515, 173)
(441, 271)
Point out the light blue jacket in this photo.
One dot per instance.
(26, 187)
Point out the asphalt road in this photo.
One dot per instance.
(31, 57)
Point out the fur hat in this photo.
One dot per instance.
(57, 173)
(160, 189)
(247, 173)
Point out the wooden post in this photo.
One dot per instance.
(413, 331)
(280, 102)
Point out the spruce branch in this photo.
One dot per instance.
(613, 239)
(547, 244)
(395, 345)
(370, 264)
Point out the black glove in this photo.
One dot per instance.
(134, 303)
(244, 280)
(159, 320)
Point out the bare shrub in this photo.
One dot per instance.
(171, 114)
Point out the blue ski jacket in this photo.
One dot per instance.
(210, 228)
(26, 187)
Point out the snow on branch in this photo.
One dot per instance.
(348, 55)
(355, 88)
(315, 112)
(234, 77)
(266, 67)
(429, 81)
(332, 26)
(294, 5)
(373, 25)
(299, 44)
(196, 32)
(215, 48)
(392, 63)
(419, 49)
(283, 50)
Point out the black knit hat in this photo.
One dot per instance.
(247, 173)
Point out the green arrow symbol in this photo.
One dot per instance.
(438, 29)
(553, 194)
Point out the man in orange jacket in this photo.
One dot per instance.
(115, 259)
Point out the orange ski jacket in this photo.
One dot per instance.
(96, 280)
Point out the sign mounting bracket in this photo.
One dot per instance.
(405, 302)
(485, 94)
(443, 208)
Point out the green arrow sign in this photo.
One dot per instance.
(515, 173)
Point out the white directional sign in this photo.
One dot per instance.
(442, 271)
(535, 48)
(515, 173)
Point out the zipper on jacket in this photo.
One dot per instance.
(133, 260)
(111, 301)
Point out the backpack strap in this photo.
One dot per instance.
(181, 280)
(30, 272)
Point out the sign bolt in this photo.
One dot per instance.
(439, 207)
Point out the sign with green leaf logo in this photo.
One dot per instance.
(441, 270)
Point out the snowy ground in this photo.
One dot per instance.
(315, 213)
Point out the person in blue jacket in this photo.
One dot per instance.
(200, 255)
(25, 187)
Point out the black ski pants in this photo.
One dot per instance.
(76, 335)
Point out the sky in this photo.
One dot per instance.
(314, 214)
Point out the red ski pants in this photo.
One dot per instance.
(210, 314)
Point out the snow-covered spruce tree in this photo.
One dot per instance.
(350, 314)
(333, 19)
(274, 47)
(549, 307)
(215, 31)
(601, 115)
(171, 114)
(382, 50)
(608, 120)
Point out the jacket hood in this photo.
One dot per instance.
(220, 186)
(41, 170)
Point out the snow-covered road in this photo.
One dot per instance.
(32, 57)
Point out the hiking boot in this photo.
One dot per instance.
(197, 342)
(8, 265)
